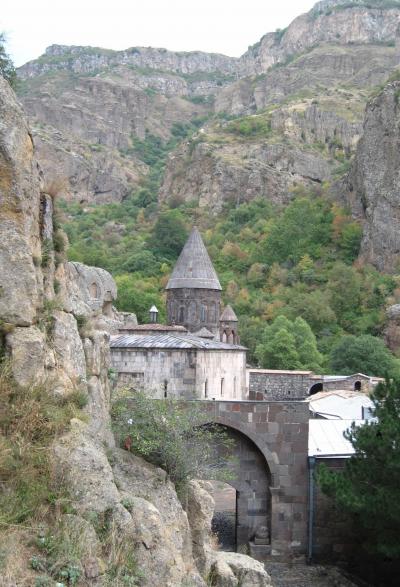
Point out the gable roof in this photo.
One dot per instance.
(170, 341)
(193, 268)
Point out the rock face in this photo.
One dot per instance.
(61, 340)
(224, 569)
(88, 105)
(373, 183)
(334, 21)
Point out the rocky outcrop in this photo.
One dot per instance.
(91, 59)
(214, 175)
(372, 187)
(336, 21)
(392, 328)
(58, 338)
(224, 569)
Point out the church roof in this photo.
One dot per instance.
(228, 315)
(170, 341)
(193, 268)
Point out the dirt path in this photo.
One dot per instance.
(301, 575)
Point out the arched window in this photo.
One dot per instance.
(212, 313)
(203, 313)
(222, 387)
(206, 388)
(182, 314)
(234, 387)
(165, 388)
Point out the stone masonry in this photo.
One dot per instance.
(268, 384)
(277, 431)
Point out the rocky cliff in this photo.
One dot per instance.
(88, 106)
(372, 186)
(124, 520)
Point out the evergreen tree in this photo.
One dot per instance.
(7, 69)
(369, 487)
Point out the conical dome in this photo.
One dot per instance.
(193, 268)
(228, 315)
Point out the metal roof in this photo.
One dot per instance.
(326, 438)
(193, 268)
(228, 315)
(170, 341)
(340, 405)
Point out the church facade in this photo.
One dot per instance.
(197, 354)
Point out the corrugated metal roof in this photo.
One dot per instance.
(326, 437)
(340, 405)
(193, 268)
(170, 341)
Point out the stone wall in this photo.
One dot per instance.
(182, 373)
(270, 385)
(279, 430)
(333, 538)
(194, 308)
(349, 384)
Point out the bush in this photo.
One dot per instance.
(172, 435)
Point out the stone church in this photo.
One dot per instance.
(197, 354)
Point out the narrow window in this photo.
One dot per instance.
(203, 311)
(206, 388)
(222, 387)
(165, 388)
(234, 387)
(181, 314)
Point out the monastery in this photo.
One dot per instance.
(197, 354)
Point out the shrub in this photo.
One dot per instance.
(171, 434)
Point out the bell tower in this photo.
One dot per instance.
(194, 290)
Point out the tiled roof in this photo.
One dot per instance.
(204, 333)
(170, 341)
(228, 315)
(193, 268)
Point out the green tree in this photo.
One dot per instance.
(369, 485)
(172, 435)
(344, 288)
(306, 345)
(7, 69)
(304, 228)
(289, 345)
(169, 234)
(278, 347)
(366, 354)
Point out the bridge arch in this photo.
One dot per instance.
(252, 481)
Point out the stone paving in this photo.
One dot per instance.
(301, 575)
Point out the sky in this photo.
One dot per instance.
(220, 26)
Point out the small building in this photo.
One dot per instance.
(179, 365)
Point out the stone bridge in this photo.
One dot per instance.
(271, 446)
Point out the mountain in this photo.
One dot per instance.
(268, 153)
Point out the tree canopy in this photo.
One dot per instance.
(365, 354)
(289, 344)
(7, 69)
(369, 485)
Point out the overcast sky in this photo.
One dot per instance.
(222, 26)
